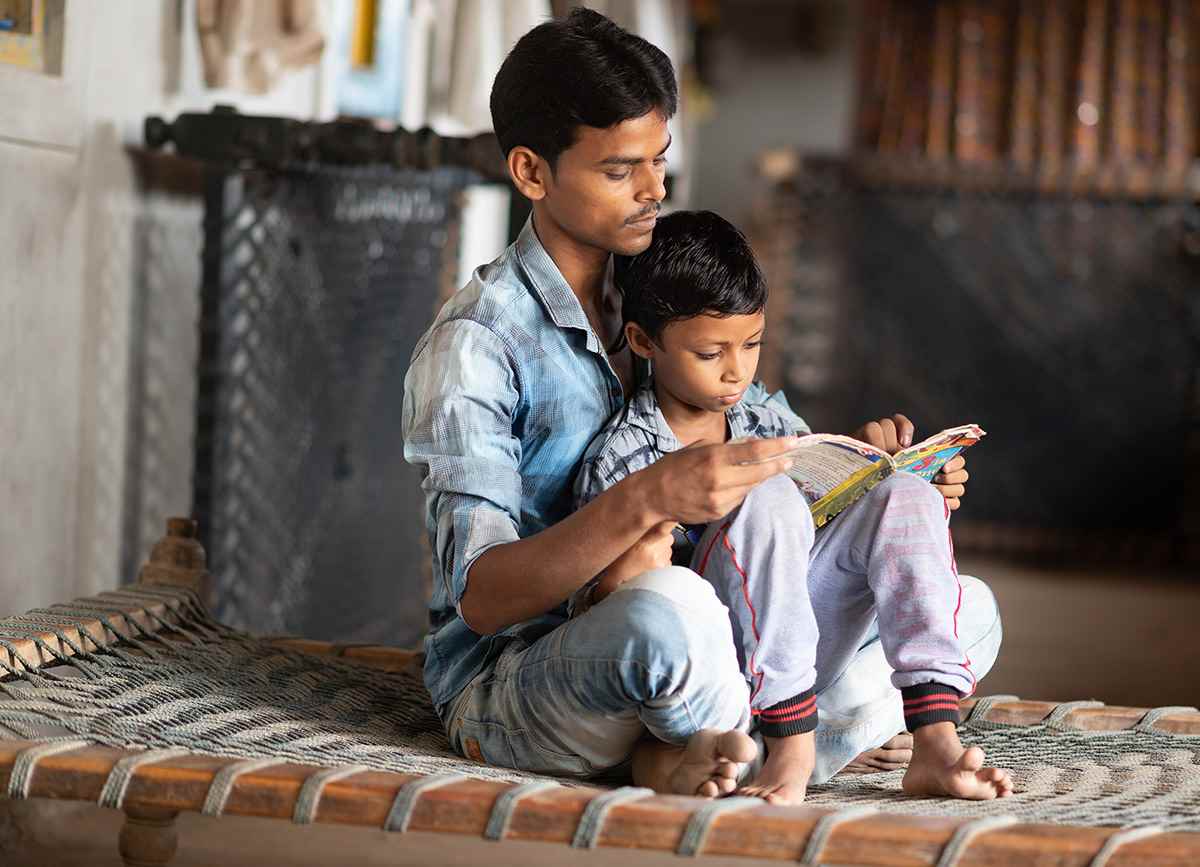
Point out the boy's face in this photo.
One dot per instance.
(706, 362)
(606, 189)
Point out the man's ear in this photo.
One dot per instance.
(528, 172)
(639, 341)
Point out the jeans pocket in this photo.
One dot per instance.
(531, 755)
(483, 742)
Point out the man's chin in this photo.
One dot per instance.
(631, 242)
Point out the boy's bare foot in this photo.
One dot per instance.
(708, 766)
(893, 755)
(784, 777)
(942, 766)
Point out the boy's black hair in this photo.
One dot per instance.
(696, 263)
(578, 70)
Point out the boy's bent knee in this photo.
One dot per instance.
(777, 501)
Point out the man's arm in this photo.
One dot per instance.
(515, 581)
(461, 396)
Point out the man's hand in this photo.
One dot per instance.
(890, 434)
(951, 481)
(699, 484)
(652, 551)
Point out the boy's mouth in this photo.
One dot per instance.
(729, 399)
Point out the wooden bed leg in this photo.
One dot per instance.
(148, 837)
(178, 560)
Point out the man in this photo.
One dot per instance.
(506, 390)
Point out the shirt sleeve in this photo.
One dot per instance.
(460, 398)
(757, 393)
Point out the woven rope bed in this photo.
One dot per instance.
(139, 700)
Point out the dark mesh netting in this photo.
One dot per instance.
(1068, 329)
(318, 285)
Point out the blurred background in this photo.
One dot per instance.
(968, 211)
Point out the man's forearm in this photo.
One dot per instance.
(522, 579)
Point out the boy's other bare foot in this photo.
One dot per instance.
(784, 777)
(942, 766)
(893, 755)
(708, 766)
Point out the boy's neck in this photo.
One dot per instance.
(690, 423)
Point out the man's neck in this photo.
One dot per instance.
(690, 423)
(585, 268)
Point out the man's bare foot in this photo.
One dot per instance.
(893, 755)
(708, 766)
(942, 766)
(784, 777)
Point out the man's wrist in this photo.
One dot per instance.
(640, 499)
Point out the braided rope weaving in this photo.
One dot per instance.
(201, 687)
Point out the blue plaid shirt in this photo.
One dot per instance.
(504, 393)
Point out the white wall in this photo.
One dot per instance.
(72, 224)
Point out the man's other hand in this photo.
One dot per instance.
(652, 551)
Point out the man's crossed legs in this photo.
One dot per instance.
(656, 679)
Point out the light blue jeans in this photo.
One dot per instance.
(659, 656)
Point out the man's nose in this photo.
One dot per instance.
(653, 187)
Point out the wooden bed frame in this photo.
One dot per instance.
(158, 792)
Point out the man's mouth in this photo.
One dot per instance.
(644, 220)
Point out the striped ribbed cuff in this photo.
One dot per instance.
(794, 716)
(928, 703)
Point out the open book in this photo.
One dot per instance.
(834, 471)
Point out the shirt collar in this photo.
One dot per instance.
(549, 285)
(645, 413)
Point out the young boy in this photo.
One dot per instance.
(800, 603)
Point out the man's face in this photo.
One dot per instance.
(708, 362)
(606, 189)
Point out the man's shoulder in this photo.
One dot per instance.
(496, 296)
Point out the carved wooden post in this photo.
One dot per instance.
(148, 837)
(178, 560)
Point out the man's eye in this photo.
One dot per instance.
(660, 161)
(612, 176)
(754, 344)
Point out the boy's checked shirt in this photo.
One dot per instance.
(639, 435)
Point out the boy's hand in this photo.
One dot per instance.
(890, 434)
(951, 481)
(652, 551)
(702, 483)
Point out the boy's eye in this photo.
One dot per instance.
(754, 344)
(708, 356)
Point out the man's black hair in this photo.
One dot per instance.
(696, 263)
(578, 70)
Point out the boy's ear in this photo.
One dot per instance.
(639, 341)
(528, 172)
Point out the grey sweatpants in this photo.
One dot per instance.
(803, 603)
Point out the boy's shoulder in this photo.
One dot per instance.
(628, 442)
